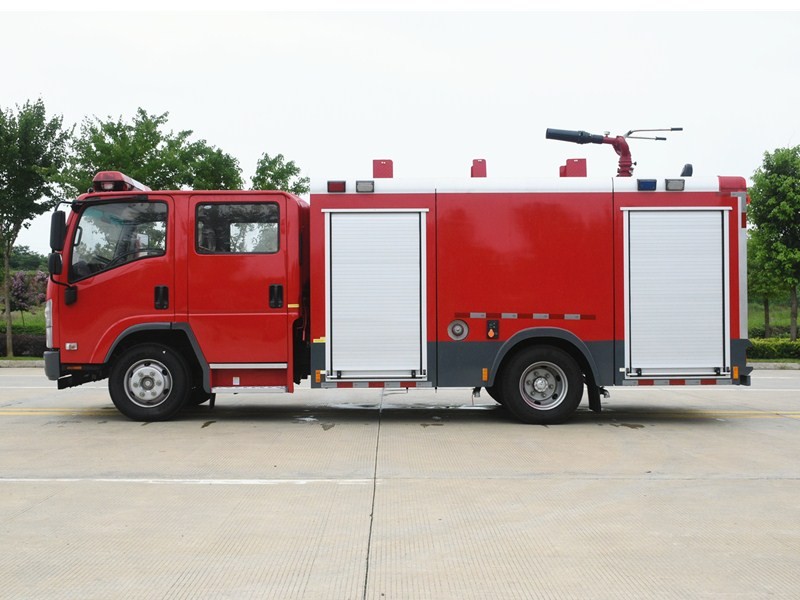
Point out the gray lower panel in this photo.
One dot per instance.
(461, 364)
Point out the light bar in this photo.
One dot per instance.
(114, 181)
(674, 185)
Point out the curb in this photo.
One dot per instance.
(17, 364)
(774, 366)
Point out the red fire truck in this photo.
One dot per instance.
(530, 289)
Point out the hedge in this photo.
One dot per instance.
(25, 344)
(773, 348)
(775, 331)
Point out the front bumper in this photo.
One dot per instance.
(52, 364)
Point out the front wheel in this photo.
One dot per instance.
(149, 382)
(542, 385)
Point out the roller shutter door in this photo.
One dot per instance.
(677, 313)
(376, 295)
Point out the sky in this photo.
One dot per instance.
(430, 90)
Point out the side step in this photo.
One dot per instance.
(243, 389)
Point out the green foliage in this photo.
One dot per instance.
(33, 152)
(773, 348)
(145, 151)
(274, 173)
(764, 279)
(775, 212)
(24, 259)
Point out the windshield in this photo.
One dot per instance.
(112, 234)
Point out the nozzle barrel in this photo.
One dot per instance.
(577, 137)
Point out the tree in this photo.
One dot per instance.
(27, 291)
(143, 150)
(775, 211)
(763, 283)
(276, 174)
(212, 169)
(25, 259)
(33, 152)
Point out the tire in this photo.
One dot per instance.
(197, 397)
(494, 392)
(542, 385)
(149, 382)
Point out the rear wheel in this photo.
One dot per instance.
(149, 382)
(542, 385)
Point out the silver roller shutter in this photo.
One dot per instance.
(677, 313)
(376, 303)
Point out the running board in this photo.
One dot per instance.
(242, 389)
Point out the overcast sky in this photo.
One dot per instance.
(430, 90)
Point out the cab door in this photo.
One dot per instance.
(237, 278)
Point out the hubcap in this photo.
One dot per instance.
(543, 385)
(148, 383)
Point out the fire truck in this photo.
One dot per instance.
(533, 290)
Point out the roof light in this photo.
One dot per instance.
(646, 185)
(365, 186)
(337, 187)
(675, 185)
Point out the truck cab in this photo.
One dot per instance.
(176, 295)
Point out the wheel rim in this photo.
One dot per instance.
(543, 385)
(148, 383)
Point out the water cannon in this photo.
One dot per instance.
(619, 143)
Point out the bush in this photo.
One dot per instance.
(774, 348)
(776, 331)
(19, 328)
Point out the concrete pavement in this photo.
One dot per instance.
(669, 493)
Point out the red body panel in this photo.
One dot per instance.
(526, 254)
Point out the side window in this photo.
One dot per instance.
(237, 228)
(112, 234)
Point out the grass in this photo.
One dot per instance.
(778, 314)
(30, 322)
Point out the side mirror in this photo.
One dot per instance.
(58, 230)
(54, 264)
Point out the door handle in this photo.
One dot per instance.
(161, 297)
(276, 296)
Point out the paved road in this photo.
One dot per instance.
(669, 493)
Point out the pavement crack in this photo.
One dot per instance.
(374, 492)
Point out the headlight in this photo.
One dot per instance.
(48, 323)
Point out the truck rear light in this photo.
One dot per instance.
(646, 185)
(675, 185)
(337, 187)
(365, 186)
